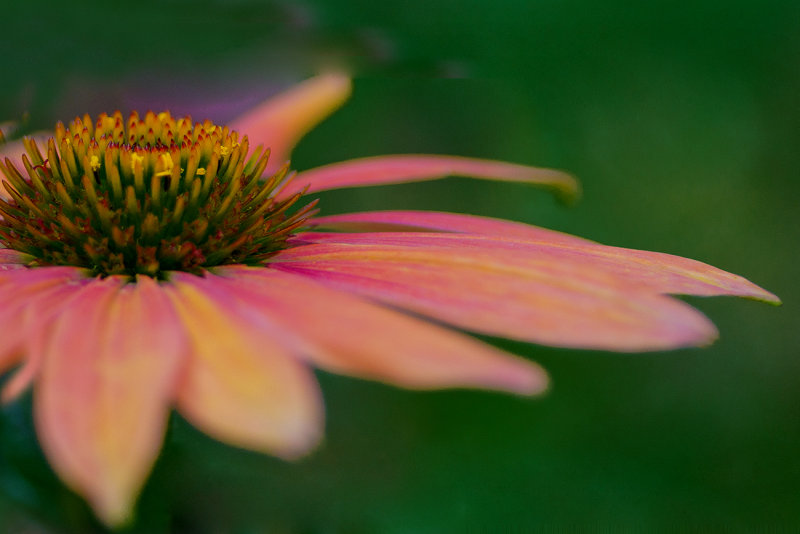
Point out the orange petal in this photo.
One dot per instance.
(404, 168)
(494, 291)
(108, 376)
(242, 387)
(281, 121)
(349, 335)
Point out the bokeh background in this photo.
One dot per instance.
(682, 120)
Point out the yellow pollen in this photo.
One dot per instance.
(135, 158)
(200, 172)
(95, 163)
(166, 160)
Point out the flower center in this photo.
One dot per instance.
(145, 196)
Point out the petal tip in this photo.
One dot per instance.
(708, 338)
(528, 380)
(568, 190)
(740, 286)
(766, 296)
(701, 332)
(566, 187)
(301, 435)
(337, 82)
(14, 387)
(114, 511)
(306, 442)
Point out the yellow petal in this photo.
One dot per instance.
(241, 386)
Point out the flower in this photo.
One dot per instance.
(146, 264)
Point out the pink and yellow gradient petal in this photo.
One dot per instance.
(382, 170)
(662, 273)
(111, 364)
(437, 221)
(27, 308)
(35, 321)
(242, 386)
(281, 121)
(350, 335)
(493, 291)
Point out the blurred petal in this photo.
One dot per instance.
(281, 121)
(241, 386)
(404, 168)
(52, 275)
(500, 292)
(663, 273)
(32, 323)
(352, 336)
(30, 300)
(109, 374)
(10, 259)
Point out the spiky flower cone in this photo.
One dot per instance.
(146, 196)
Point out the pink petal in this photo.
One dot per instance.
(349, 335)
(109, 374)
(30, 297)
(501, 292)
(242, 387)
(663, 273)
(10, 259)
(382, 170)
(281, 121)
(432, 221)
(30, 330)
(58, 274)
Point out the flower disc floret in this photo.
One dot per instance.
(145, 196)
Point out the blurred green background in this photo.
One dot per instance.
(682, 120)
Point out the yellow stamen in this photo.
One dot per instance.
(166, 161)
(136, 159)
